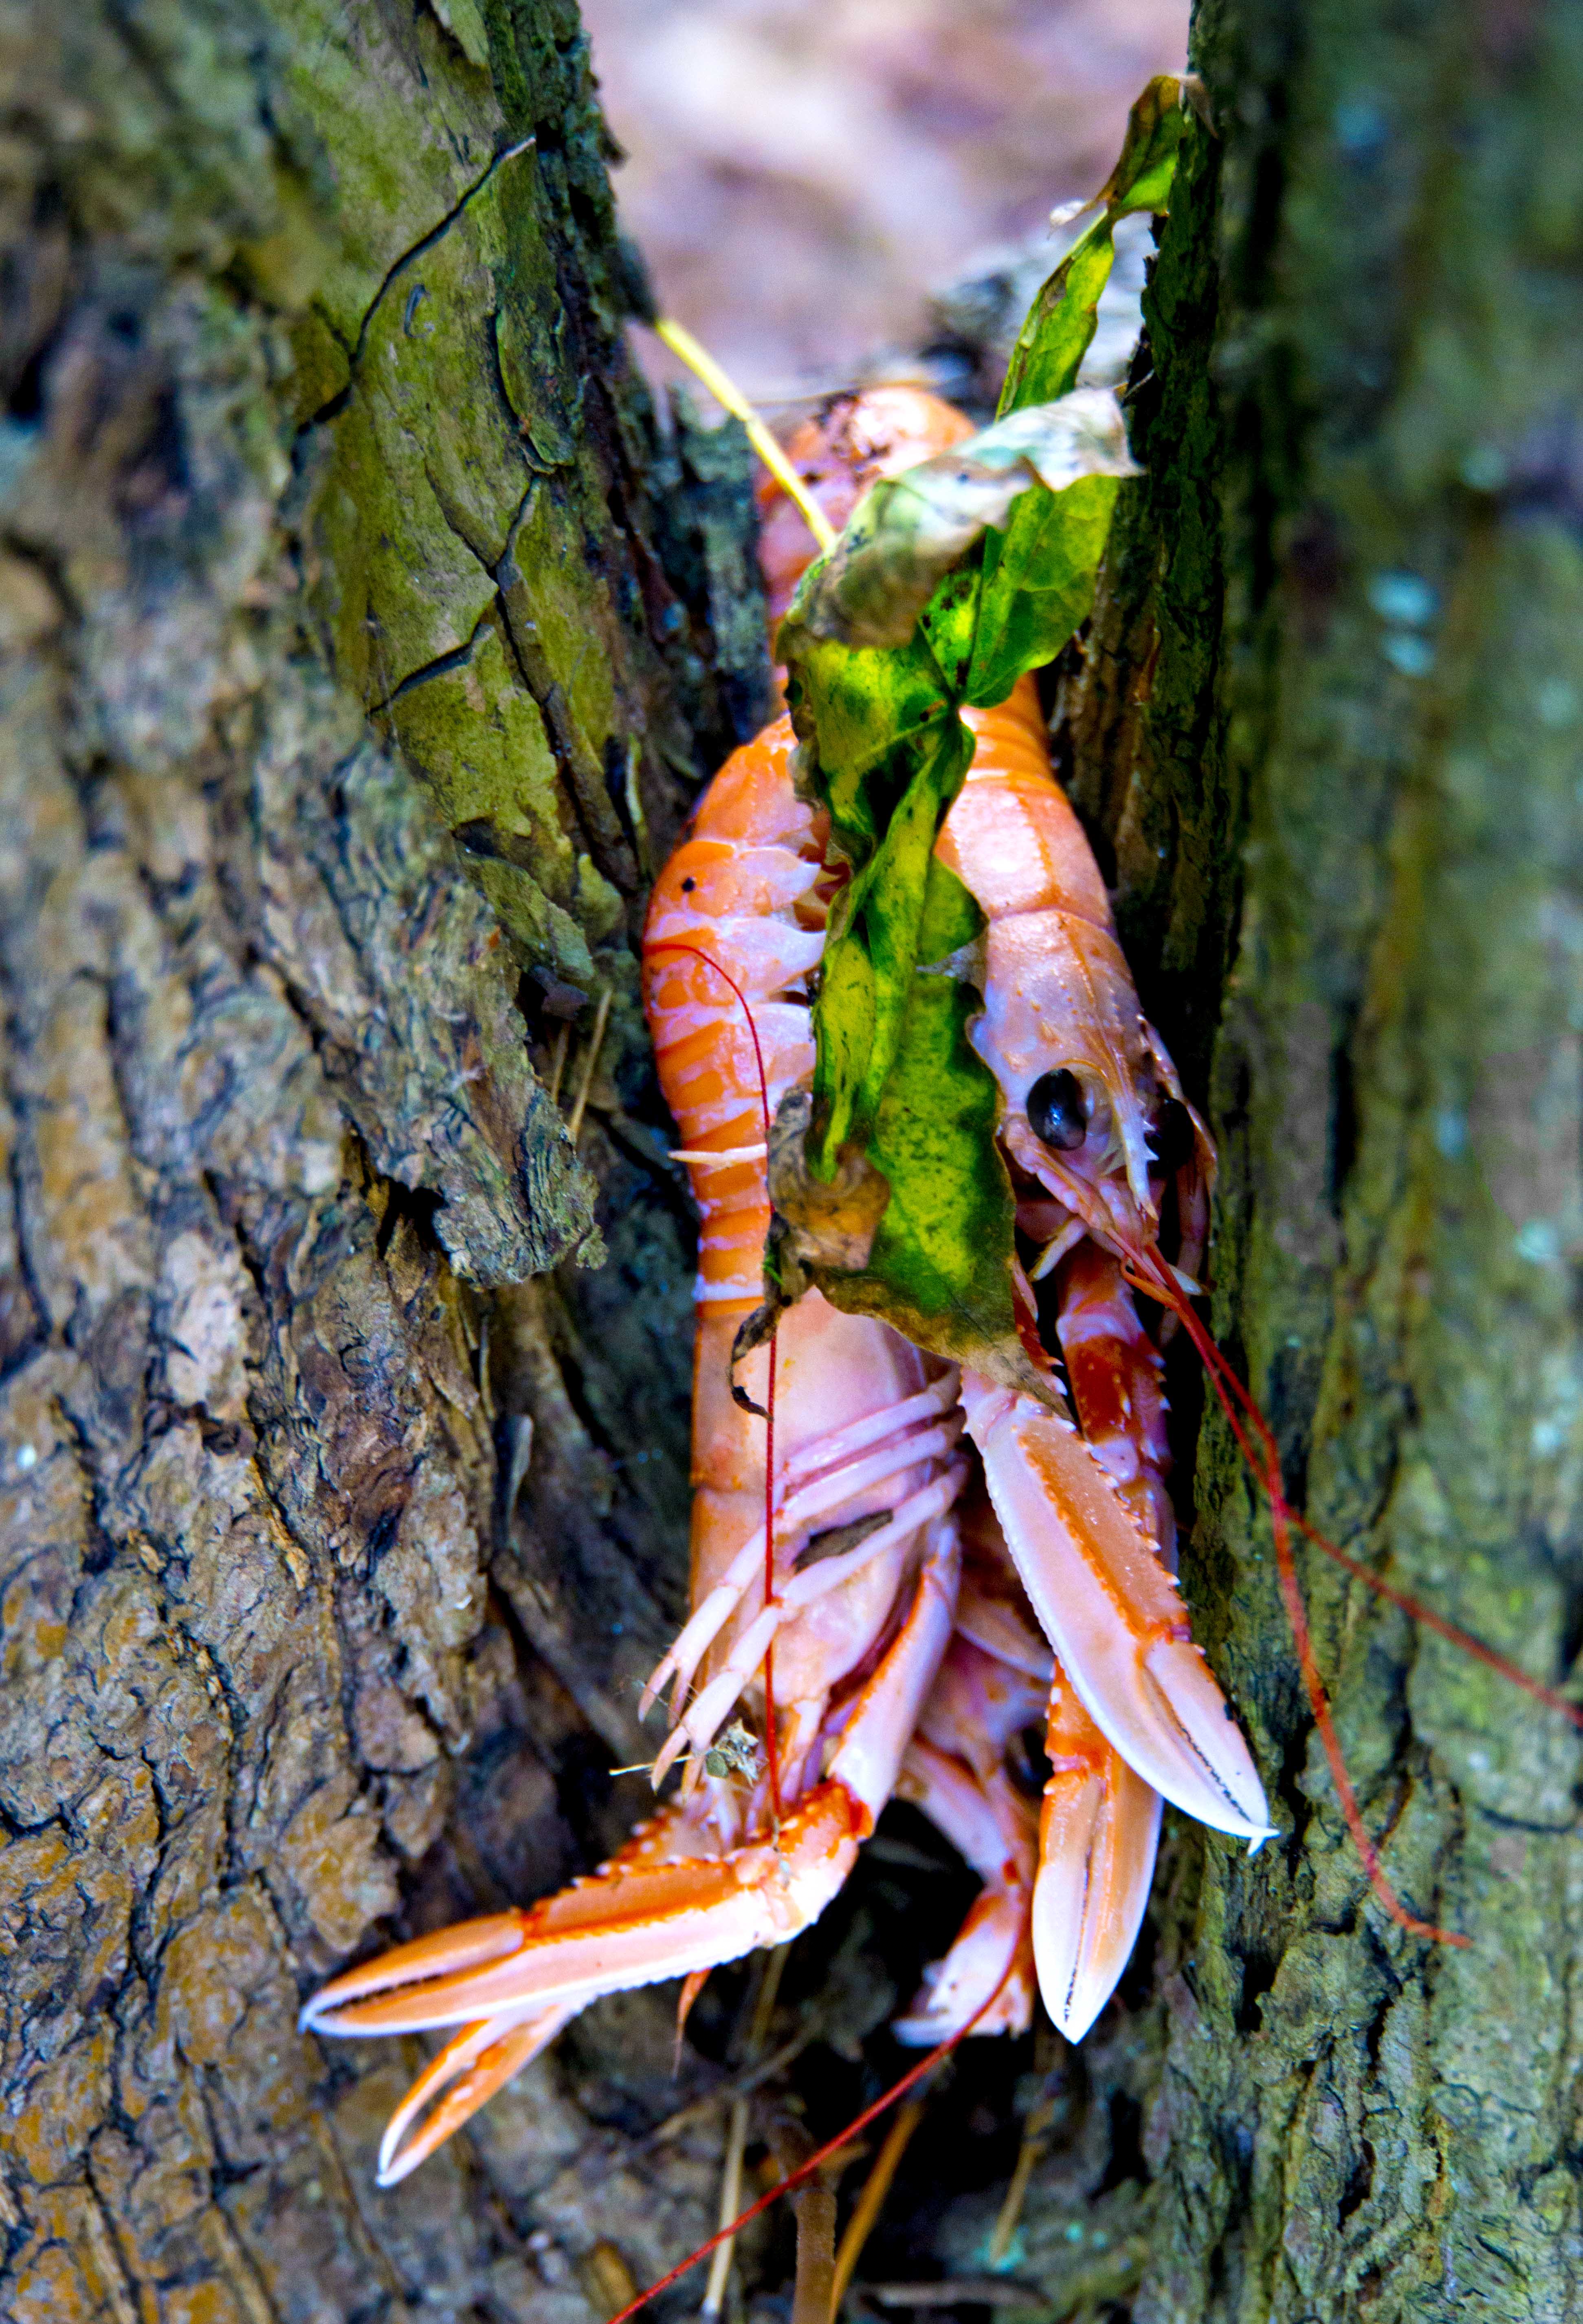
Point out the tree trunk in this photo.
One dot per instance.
(341, 561)
(361, 643)
(1330, 725)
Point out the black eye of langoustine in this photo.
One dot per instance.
(1057, 1114)
(1172, 1139)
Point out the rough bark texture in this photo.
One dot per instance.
(1330, 726)
(318, 405)
(360, 641)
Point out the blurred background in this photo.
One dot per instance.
(803, 178)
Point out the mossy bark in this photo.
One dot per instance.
(1332, 730)
(357, 657)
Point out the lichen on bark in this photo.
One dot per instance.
(350, 670)
(1330, 731)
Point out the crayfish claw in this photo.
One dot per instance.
(469, 1945)
(480, 2061)
(1099, 1831)
(1112, 1612)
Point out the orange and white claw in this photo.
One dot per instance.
(992, 1826)
(1099, 1831)
(631, 1924)
(676, 1900)
(1112, 1612)
(478, 2061)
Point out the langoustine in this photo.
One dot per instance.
(888, 1674)
(867, 1430)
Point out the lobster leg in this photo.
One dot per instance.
(648, 1915)
(820, 1498)
(987, 1820)
(702, 1719)
(1115, 1370)
(1111, 1611)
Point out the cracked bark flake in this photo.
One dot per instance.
(372, 929)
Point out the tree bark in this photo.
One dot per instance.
(361, 643)
(1329, 727)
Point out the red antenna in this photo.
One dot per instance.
(771, 1747)
(822, 2154)
(1150, 1274)
(1452, 1632)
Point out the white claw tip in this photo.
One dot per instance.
(1256, 1840)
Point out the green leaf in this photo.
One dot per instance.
(949, 584)
(853, 707)
(1142, 178)
(860, 1012)
(915, 1227)
(1038, 583)
(940, 1255)
(908, 532)
(1060, 326)
(843, 1017)
(1061, 323)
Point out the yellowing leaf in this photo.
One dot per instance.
(909, 530)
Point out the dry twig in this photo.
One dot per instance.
(871, 2201)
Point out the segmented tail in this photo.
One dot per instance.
(771, 1749)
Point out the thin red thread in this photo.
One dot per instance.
(771, 1746)
(1453, 1632)
(1164, 1287)
(823, 2154)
